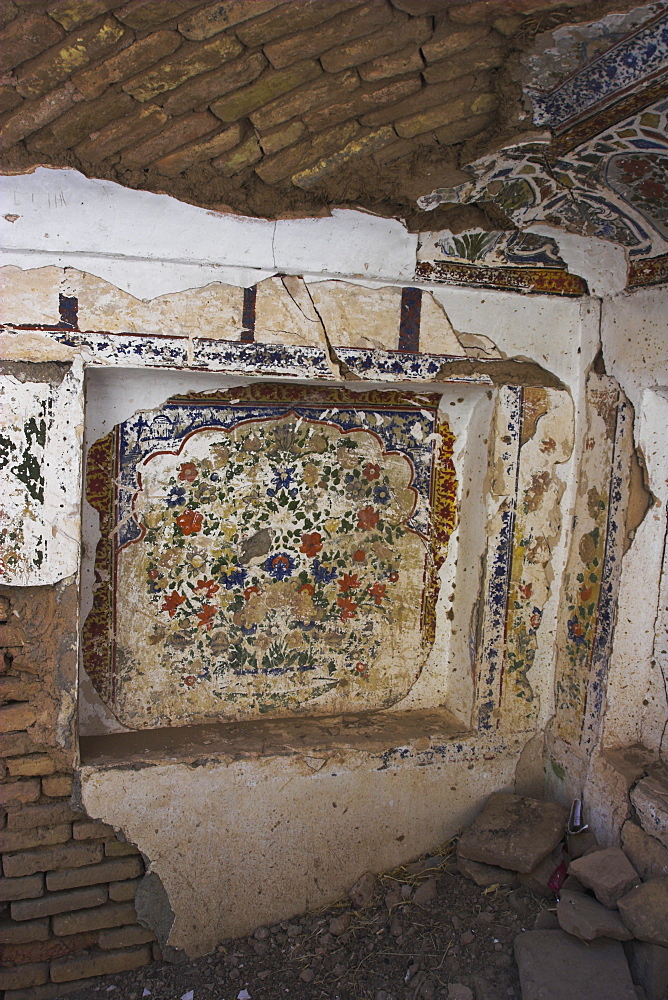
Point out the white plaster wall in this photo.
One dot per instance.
(634, 335)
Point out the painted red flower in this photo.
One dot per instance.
(393, 577)
(359, 555)
(190, 522)
(525, 590)
(585, 593)
(652, 189)
(378, 593)
(635, 167)
(153, 574)
(348, 607)
(349, 581)
(306, 588)
(311, 543)
(371, 472)
(249, 591)
(206, 615)
(207, 587)
(172, 602)
(360, 667)
(367, 518)
(190, 681)
(188, 472)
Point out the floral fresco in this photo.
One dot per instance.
(268, 551)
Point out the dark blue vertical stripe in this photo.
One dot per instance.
(248, 315)
(69, 311)
(409, 322)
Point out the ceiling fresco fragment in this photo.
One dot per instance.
(602, 173)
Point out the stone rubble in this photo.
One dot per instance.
(608, 937)
(609, 873)
(514, 832)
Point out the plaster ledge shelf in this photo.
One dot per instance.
(373, 733)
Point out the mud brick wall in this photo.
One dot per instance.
(68, 883)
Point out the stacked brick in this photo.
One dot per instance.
(288, 90)
(68, 883)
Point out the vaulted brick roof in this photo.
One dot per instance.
(263, 106)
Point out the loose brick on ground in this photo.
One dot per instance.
(125, 937)
(26, 37)
(306, 14)
(109, 915)
(57, 786)
(13, 932)
(23, 840)
(401, 33)
(113, 870)
(77, 50)
(208, 86)
(311, 95)
(219, 16)
(78, 900)
(129, 62)
(85, 966)
(267, 87)
(190, 60)
(47, 859)
(21, 888)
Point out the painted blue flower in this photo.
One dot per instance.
(322, 574)
(176, 496)
(282, 480)
(355, 488)
(576, 633)
(280, 565)
(381, 494)
(233, 577)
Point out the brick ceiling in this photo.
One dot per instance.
(270, 108)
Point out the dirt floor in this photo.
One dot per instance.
(426, 933)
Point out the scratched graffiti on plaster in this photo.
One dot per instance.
(267, 551)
